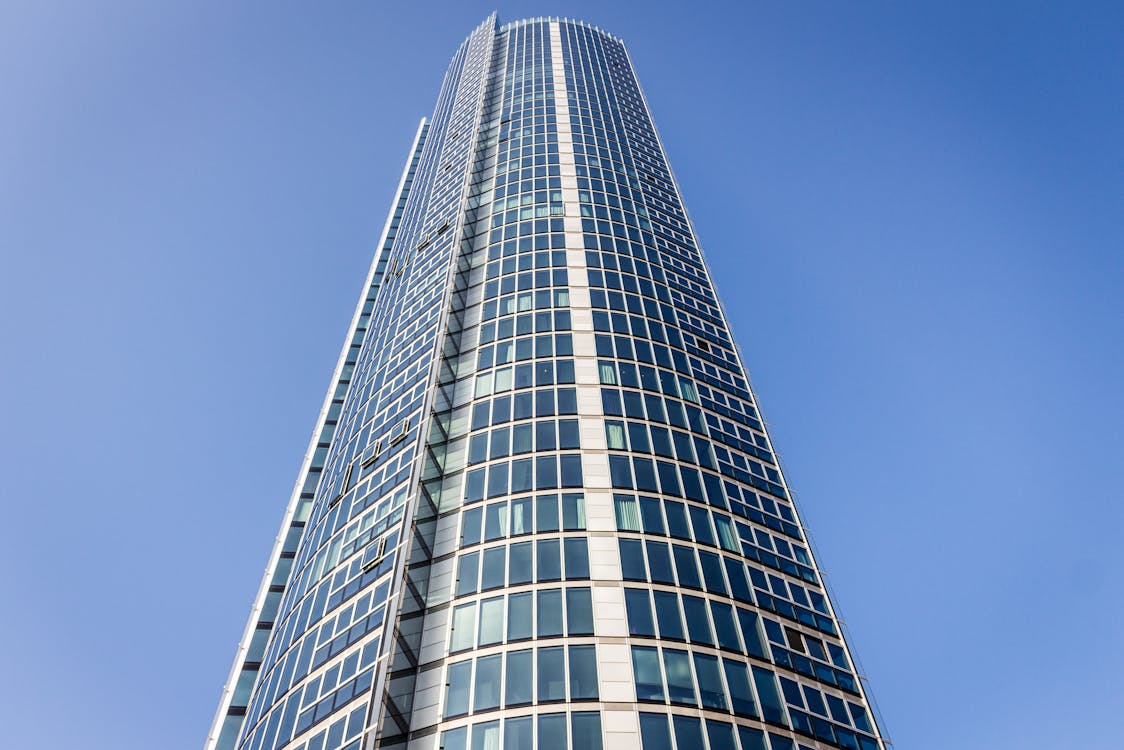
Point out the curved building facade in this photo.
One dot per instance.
(540, 508)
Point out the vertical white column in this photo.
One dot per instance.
(619, 719)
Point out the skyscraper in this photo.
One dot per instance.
(540, 508)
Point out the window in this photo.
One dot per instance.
(552, 671)
(668, 616)
(628, 515)
(710, 682)
(464, 627)
(552, 731)
(549, 613)
(457, 686)
(520, 670)
(491, 621)
(654, 734)
(741, 695)
(579, 612)
(548, 561)
(583, 673)
(698, 625)
(766, 685)
(646, 672)
(585, 730)
(577, 558)
(487, 683)
(518, 734)
(680, 684)
(486, 736)
(519, 616)
(573, 510)
(639, 610)
(688, 731)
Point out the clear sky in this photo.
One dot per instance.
(914, 214)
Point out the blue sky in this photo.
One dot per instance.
(914, 214)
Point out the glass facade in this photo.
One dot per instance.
(540, 508)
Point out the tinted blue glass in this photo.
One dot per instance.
(552, 674)
(646, 672)
(517, 685)
(579, 612)
(698, 624)
(680, 683)
(549, 613)
(639, 611)
(688, 731)
(583, 673)
(654, 732)
(668, 616)
(585, 730)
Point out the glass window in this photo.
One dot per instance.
(646, 672)
(654, 734)
(712, 572)
(522, 563)
(579, 612)
(583, 673)
(700, 522)
(628, 514)
(688, 731)
(520, 672)
(470, 527)
(651, 513)
(519, 734)
(546, 513)
(766, 685)
(467, 574)
(486, 736)
(552, 674)
(659, 562)
(454, 739)
(577, 558)
(497, 480)
(698, 625)
(668, 616)
(521, 516)
(721, 735)
(464, 627)
(495, 560)
(491, 621)
(519, 616)
(741, 695)
(639, 609)
(487, 683)
(632, 560)
(552, 731)
(677, 520)
(585, 730)
(724, 626)
(573, 512)
(752, 739)
(680, 684)
(568, 434)
(739, 586)
(751, 635)
(549, 613)
(521, 438)
(614, 435)
(522, 475)
(710, 682)
(548, 562)
(686, 568)
(456, 689)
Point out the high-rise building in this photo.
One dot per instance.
(540, 508)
